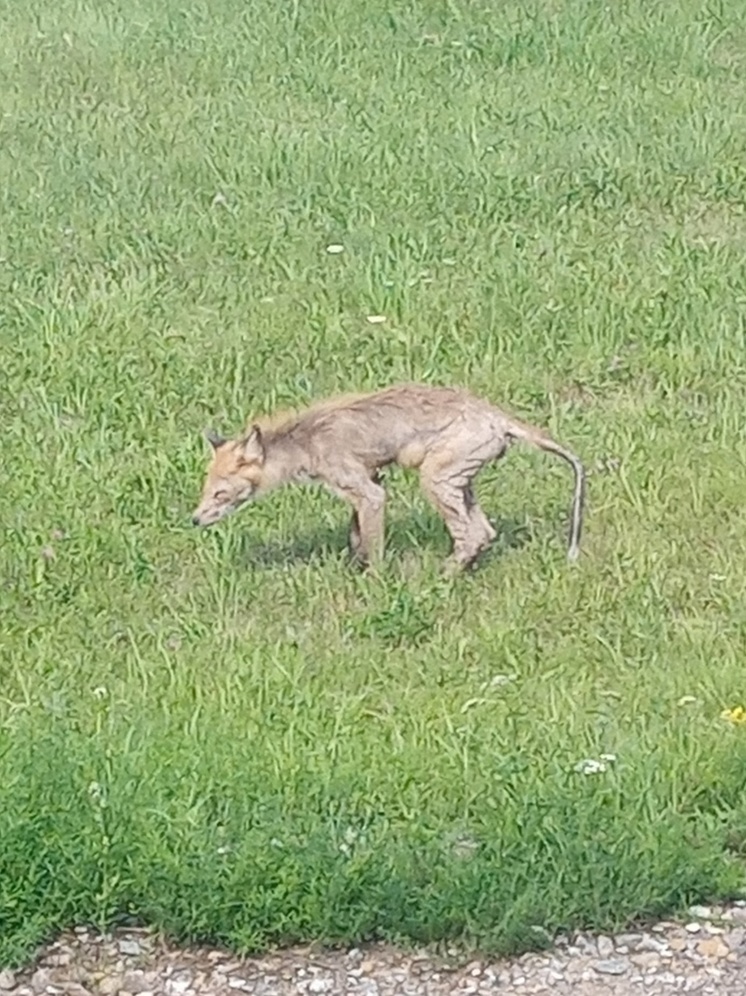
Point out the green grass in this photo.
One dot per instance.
(232, 735)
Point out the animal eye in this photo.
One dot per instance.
(221, 494)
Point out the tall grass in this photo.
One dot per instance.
(232, 735)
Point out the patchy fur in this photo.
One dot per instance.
(446, 433)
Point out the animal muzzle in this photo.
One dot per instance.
(206, 518)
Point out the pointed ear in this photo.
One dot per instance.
(214, 439)
(252, 446)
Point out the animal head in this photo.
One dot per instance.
(234, 476)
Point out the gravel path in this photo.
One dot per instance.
(706, 955)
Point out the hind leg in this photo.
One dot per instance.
(480, 522)
(449, 489)
(447, 475)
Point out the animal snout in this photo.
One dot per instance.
(196, 519)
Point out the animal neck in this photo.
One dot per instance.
(284, 461)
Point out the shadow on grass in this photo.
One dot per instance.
(403, 536)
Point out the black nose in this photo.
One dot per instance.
(195, 520)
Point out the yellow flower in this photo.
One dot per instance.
(735, 715)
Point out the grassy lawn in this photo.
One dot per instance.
(232, 734)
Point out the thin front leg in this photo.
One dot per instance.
(354, 537)
(368, 500)
(370, 517)
(353, 540)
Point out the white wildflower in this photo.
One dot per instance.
(96, 792)
(502, 679)
(590, 766)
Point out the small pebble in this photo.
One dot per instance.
(628, 940)
(647, 943)
(605, 946)
(612, 966)
(129, 946)
(109, 985)
(713, 947)
(700, 912)
(58, 959)
(735, 939)
(645, 959)
(320, 985)
(177, 987)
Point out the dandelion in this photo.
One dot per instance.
(736, 715)
(335, 249)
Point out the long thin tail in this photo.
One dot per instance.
(535, 437)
